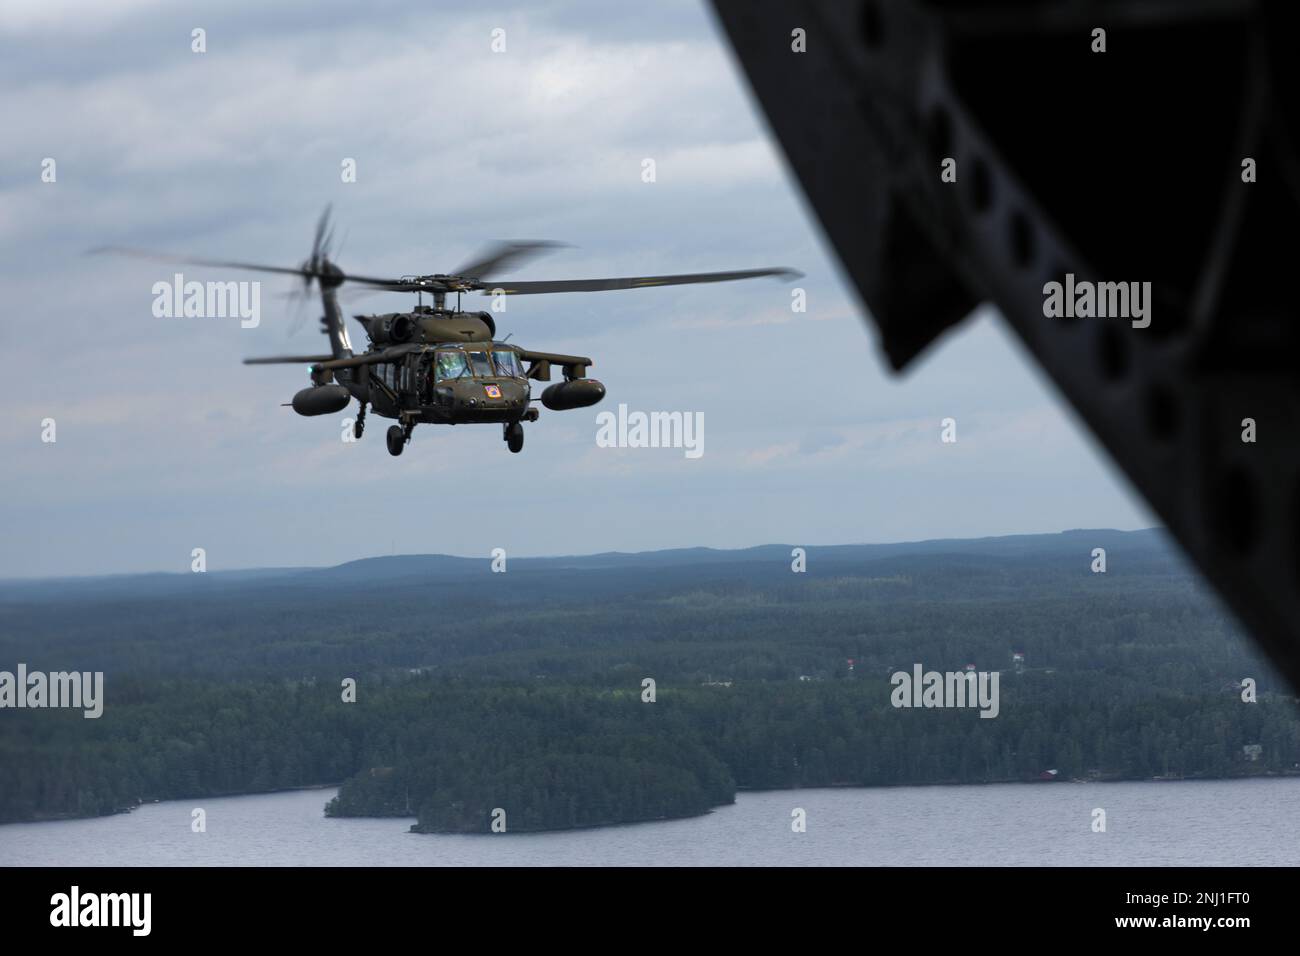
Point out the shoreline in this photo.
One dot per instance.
(1264, 775)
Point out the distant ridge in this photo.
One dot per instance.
(1026, 545)
(396, 568)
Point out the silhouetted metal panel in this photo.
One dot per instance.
(1122, 164)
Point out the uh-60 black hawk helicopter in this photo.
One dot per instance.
(441, 365)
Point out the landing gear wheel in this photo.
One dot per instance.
(396, 440)
(515, 437)
(359, 425)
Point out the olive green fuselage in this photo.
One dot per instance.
(443, 366)
(480, 389)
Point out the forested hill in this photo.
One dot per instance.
(523, 690)
(422, 610)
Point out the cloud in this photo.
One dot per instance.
(164, 436)
(20, 18)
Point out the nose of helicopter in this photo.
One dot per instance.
(494, 396)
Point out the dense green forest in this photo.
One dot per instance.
(523, 691)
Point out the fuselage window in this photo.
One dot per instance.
(451, 365)
(482, 367)
(507, 364)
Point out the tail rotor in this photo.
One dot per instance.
(315, 264)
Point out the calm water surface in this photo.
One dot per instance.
(1232, 823)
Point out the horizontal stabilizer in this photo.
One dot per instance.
(368, 358)
(631, 282)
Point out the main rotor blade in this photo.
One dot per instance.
(287, 359)
(298, 315)
(632, 282)
(504, 256)
(395, 285)
(196, 261)
(345, 295)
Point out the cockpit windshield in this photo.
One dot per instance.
(454, 364)
(451, 365)
(507, 363)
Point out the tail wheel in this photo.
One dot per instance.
(396, 440)
(515, 437)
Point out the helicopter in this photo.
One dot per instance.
(439, 364)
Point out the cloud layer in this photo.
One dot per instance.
(166, 443)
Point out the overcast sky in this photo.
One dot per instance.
(165, 442)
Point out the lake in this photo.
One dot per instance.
(1202, 823)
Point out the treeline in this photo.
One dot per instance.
(552, 756)
(744, 621)
(522, 692)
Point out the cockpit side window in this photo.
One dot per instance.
(507, 363)
(450, 365)
(482, 367)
